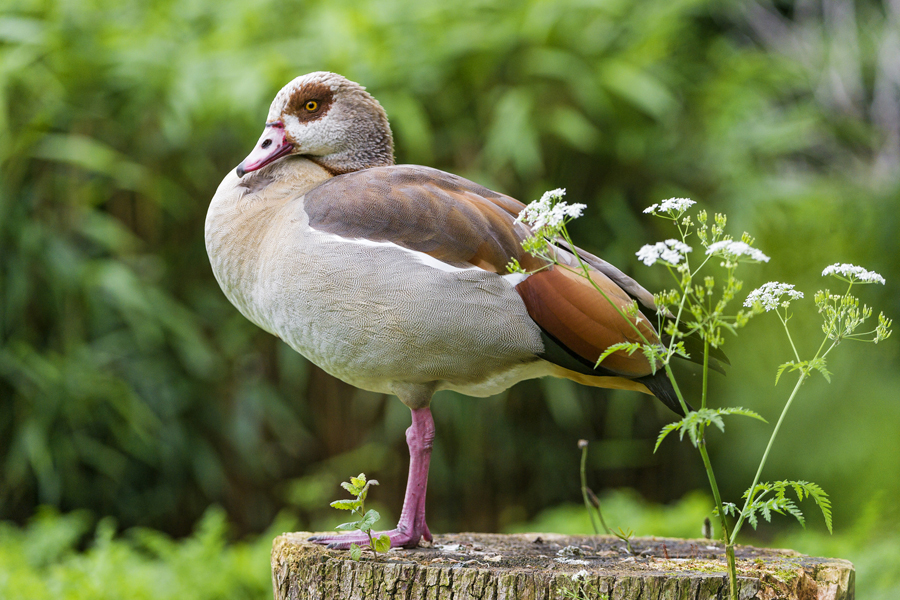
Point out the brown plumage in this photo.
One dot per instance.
(423, 209)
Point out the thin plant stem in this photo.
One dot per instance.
(705, 372)
(762, 463)
(584, 490)
(711, 476)
(677, 389)
(788, 332)
(729, 542)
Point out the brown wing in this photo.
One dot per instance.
(463, 223)
(570, 310)
(628, 285)
(443, 215)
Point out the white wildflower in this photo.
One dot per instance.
(852, 273)
(580, 575)
(736, 249)
(769, 295)
(672, 205)
(670, 251)
(549, 211)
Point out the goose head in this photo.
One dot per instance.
(328, 119)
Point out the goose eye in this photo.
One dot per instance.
(311, 106)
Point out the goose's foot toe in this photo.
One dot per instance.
(400, 538)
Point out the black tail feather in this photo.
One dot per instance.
(661, 387)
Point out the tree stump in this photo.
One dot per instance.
(470, 566)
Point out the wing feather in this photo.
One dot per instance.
(462, 223)
(423, 209)
(569, 309)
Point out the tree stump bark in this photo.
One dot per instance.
(474, 566)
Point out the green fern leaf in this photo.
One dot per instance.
(766, 510)
(821, 499)
(751, 517)
(666, 431)
(629, 347)
(782, 368)
(716, 419)
(791, 508)
(819, 365)
(743, 412)
(729, 508)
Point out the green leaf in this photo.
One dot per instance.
(782, 368)
(351, 526)
(364, 491)
(729, 508)
(351, 488)
(819, 365)
(784, 505)
(666, 431)
(743, 412)
(359, 481)
(369, 519)
(628, 347)
(355, 552)
(704, 417)
(818, 495)
(766, 510)
(791, 508)
(382, 543)
(751, 517)
(345, 504)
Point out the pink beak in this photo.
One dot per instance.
(270, 147)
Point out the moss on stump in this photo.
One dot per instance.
(474, 566)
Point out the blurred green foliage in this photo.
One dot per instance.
(45, 561)
(129, 385)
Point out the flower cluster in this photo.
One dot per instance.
(673, 207)
(733, 249)
(769, 295)
(550, 211)
(670, 251)
(852, 273)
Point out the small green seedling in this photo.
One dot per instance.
(625, 536)
(359, 487)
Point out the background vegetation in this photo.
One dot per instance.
(131, 388)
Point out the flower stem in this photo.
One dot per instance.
(788, 332)
(729, 542)
(762, 463)
(705, 372)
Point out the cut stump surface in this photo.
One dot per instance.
(540, 566)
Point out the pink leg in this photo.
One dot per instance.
(411, 527)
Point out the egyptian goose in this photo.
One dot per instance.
(394, 277)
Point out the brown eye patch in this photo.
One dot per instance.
(310, 102)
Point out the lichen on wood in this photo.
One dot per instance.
(471, 566)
